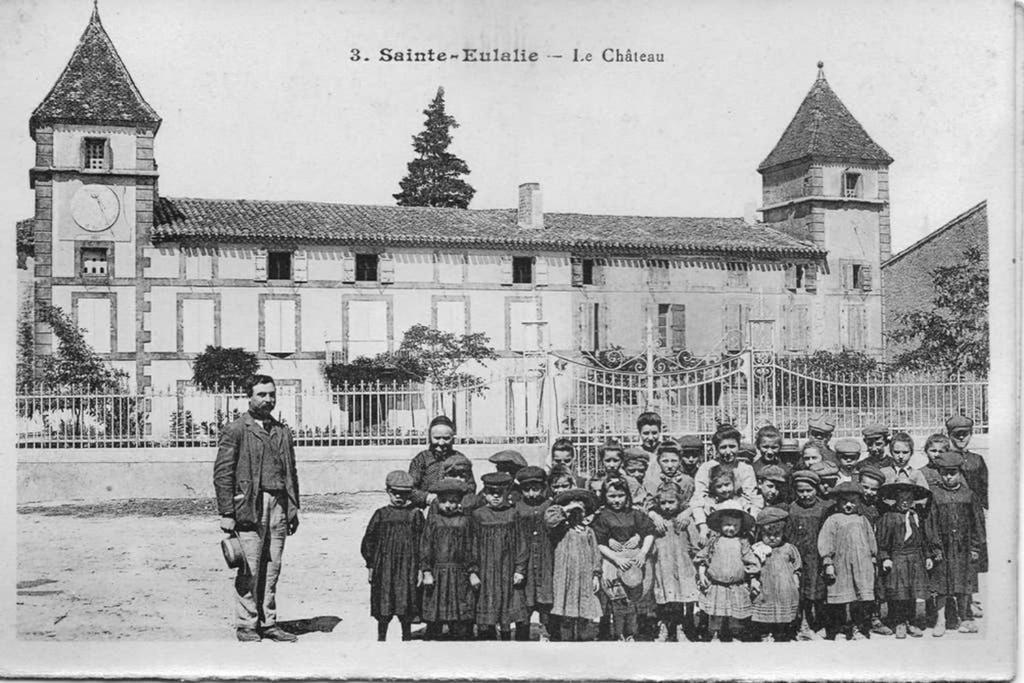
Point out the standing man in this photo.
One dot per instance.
(258, 499)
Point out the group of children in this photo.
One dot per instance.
(771, 541)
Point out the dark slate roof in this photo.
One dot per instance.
(823, 127)
(94, 88)
(220, 220)
(975, 218)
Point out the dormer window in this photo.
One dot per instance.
(279, 265)
(852, 186)
(96, 154)
(522, 270)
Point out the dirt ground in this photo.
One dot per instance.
(152, 570)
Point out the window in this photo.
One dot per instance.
(583, 271)
(797, 327)
(588, 271)
(857, 276)
(672, 326)
(522, 270)
(855, 322)
(851, 185)
(590, 323)
(94, 262)
(198, 325)
(366, 267)
(367, 333)
(451, 317)
(521, 337)
(279, 326)
(96, 157)
(198, 265)
(279, 265)
(734, 325)
(94, 317)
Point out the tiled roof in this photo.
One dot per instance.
(824, 127)
(218, 220)
(94, 88)
(976, 220)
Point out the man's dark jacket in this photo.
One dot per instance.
(238, 468)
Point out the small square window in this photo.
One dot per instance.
(279, 265)
(95, 262)
(522, 270)
(588, 271)
(95, 154)
(851, 185)
(366, 267)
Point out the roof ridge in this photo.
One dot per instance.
(983, 204)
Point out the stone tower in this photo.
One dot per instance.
(827, 181)
(95, 181)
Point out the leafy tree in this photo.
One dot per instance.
(439, 357)
(223, 369)
(952, 334)
(26, 355)
(434, 176)
(74, 365)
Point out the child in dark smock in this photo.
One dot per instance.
(577, 565)
(727, 570)
(956, 528)
(624, 537)
(871, 479)
(390, 549)
(847, 547)
(533, 487)
(904, 553)
(806, 515)
(675, 577)
(498, 560)
(777, 605)
(448, 598)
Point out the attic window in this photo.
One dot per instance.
(588, 271)
(522, 270)
(279, 265)
(95, 154)
(366, 267)
(851, 185)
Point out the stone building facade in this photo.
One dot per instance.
(154, 279)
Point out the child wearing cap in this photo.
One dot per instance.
(634, 468)
(847, 455)
(848, 549)
(773, 482)
(974, 472)
(876, 440)
(956, 527)
(727, 570)
(390, 548)
(675, 578)
(828, 476)
(871, 479)
(790, 455)
(448, 598)
(904, 554)
(497, 568)
(806, 515)
(577, 566)
(777, 606)
(537, 588)
(691, 453)
(624, 538)
(901, 447)
(460, 467)
(820, 429)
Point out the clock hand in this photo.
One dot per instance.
(99, 205)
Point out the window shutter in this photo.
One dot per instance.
(744, 323)
(386, 269)
(844, 326)
(599, 272)
(846, 270)
(348, 267)
(811, 277)
(300, 271)
(865, 277)
(787, 327)
(581, 326)
(803, 328)
(791, 277)
(730, 326)
(577, 271)
(259, 263)
(108, 155)
(678, 313)
(601, 311)
(506, 271)
(540, 271)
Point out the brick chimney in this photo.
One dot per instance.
(531, 209)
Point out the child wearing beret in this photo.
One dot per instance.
(675, 578)
(533, 487)
(390, 549)
(848, 548)
(727, 570)
(876, 440)
(691, 453)
(806, 515)
(904, 554)
(777, 605)
(847, 455)
(956, 528)
(498, 558)
(828, 476)
(773, 480)
(448, 598)
(577, 565)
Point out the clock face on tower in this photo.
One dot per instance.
(95, 207)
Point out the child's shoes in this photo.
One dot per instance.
(940, 628)
(858, 635)
(901, 631)
(914, 631)
(967, 626)
(880, 629)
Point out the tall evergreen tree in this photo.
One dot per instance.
(434, 176)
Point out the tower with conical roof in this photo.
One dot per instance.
(827, 181)
(95, 179)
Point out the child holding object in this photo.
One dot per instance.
(390, 549)
(847, 547)
(577, 565)
(904, 554)
(448, 599)
(727, 570)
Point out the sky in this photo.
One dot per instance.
(262, 100)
